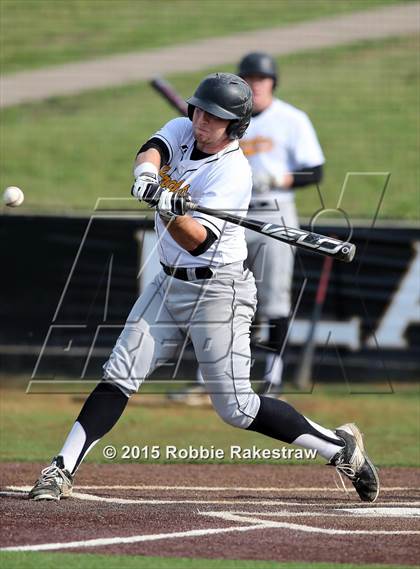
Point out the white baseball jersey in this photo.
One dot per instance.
(220, 181)
(279, 140)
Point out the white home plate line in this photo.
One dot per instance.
(386, 512)
(225, 488)
(337, 513)
(16, 490)
(135, 538)
(94, 498)
(229, 516)
(235, 488)
(13, 490)
(356, 511)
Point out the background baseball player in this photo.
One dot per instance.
(284, 153)
(202, 294)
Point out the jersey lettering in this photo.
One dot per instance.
(170, 184)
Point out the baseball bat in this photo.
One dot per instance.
(303, 374)
(315, 242)
(166, 90)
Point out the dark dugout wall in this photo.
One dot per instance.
(67, 285)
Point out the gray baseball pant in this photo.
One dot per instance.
(272, 262)
(215, 315)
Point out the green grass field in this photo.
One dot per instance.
(45, 32)
(67, 152)
(34, 425)
(81, 561)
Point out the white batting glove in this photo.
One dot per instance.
(141, 184)
(146, 184)
(261, 183)
(172, 205)
(283, 180)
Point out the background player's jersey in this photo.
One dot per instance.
(221, 181)
(280, 139)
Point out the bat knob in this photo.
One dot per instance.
(347, 252)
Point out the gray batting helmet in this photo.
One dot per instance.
(226, 96)
(258, 63)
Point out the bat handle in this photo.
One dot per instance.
(191, 206)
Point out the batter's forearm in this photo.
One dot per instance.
(151, 155)
(187, 232)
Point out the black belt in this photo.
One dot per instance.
(188, 274)
(262, 205)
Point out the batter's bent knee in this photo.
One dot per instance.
(238, 411)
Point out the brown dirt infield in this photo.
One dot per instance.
(282, 513)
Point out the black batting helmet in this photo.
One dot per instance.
(226, 96)
(258, 63)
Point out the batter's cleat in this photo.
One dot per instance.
(54, 483)
(353, 462)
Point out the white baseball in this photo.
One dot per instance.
(13, 196)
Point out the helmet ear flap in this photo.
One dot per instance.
(191, 111)
(236, 129)
(232, 129)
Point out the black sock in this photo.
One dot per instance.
(279, 420)
(101, 411)
(277, 333)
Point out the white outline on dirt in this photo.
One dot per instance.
(244, 517)
(132, 539)
(299, 489)
(13, 490)
(336, 513)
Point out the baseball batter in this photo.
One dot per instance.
(203, 294)
(284, 153)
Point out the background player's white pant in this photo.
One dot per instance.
(272, 262)
(216, 315)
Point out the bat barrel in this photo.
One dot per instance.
(321, 244)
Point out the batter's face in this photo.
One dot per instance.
(209, 131)
(262, 91)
